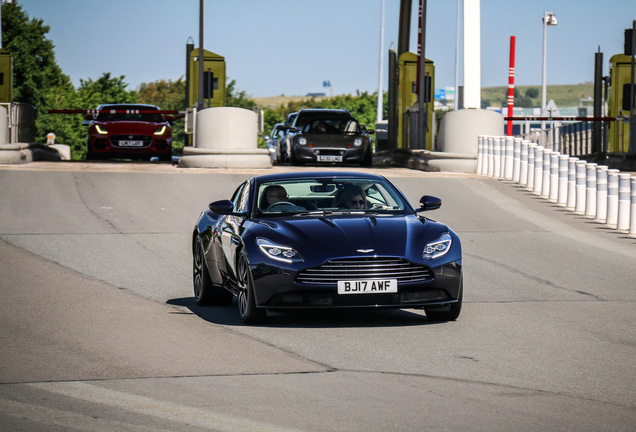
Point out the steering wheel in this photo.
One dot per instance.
(280, 203)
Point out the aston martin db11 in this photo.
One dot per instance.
(325, 240)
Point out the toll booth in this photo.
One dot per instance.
(6, 77)
(618, 104)
(213, 79)
(407, 95)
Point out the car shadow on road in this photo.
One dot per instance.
(328, 318)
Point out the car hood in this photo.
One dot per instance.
(349, 236)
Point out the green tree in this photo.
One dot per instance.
(238, 99)
(35, 70)
(532, 93)
(167, 95)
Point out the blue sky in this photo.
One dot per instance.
(275, 47)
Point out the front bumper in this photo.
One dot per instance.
(276, 288)
(330, 154)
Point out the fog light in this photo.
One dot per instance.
(292, 298)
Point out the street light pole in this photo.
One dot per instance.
(548, 19)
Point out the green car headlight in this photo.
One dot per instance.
(438, 248)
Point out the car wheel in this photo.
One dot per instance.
(450, 315)
(205, 292)
(250, 314)
(368, 158)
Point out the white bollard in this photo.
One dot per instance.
(532, 149)
(590, 189)
(571, 202)
(632, 217)
(489, 159)
(601, 193)
(523, 163)
(612, 198)
(538, 169)
(508, 154)
(496, 157)
(624, 201)
(562, 193)
(480, 153)
(580, 187)
(516, 159)
(554, 176)
(545, 183)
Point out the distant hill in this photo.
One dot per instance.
(563, 95)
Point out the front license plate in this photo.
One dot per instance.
(131, 143)
(368, 286)
(329, 158)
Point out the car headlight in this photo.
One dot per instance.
(357, 142)
(101, 130)
(302, 141)
(160, 130)
(439, 247)
(277, 251)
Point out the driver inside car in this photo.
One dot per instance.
(276, 197)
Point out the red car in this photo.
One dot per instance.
(128, 131)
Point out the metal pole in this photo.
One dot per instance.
(456, 101)
(201, 54)
(511, 85)
(597, 138)
(422, 118)
(543, 78)
(381, 79)
(632, 111)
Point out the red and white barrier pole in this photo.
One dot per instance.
(511, 84)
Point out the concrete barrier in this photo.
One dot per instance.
(538, 169)
(612, 198)
(590, 189)
(571, 201)
(531, 152)
(225, 137)
(601, 194)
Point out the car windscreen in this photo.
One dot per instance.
(106, 115)
(328, 196)
(332, 126)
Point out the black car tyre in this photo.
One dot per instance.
(368, 158)
(250, 314)
(449, 315)
(205, 292)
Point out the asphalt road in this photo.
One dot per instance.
(99, 330)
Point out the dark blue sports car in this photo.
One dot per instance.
(325, 240)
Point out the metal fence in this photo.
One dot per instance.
(575, 138)
(22, 122)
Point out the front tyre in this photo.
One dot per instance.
(434, 314)
(250, 314)
(205, 292)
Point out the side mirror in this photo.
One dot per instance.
(429, 202)
(370, 131)
(88, 117)
(169, 118)
(222, 207)
(266, 137)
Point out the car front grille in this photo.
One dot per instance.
(365, 268)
